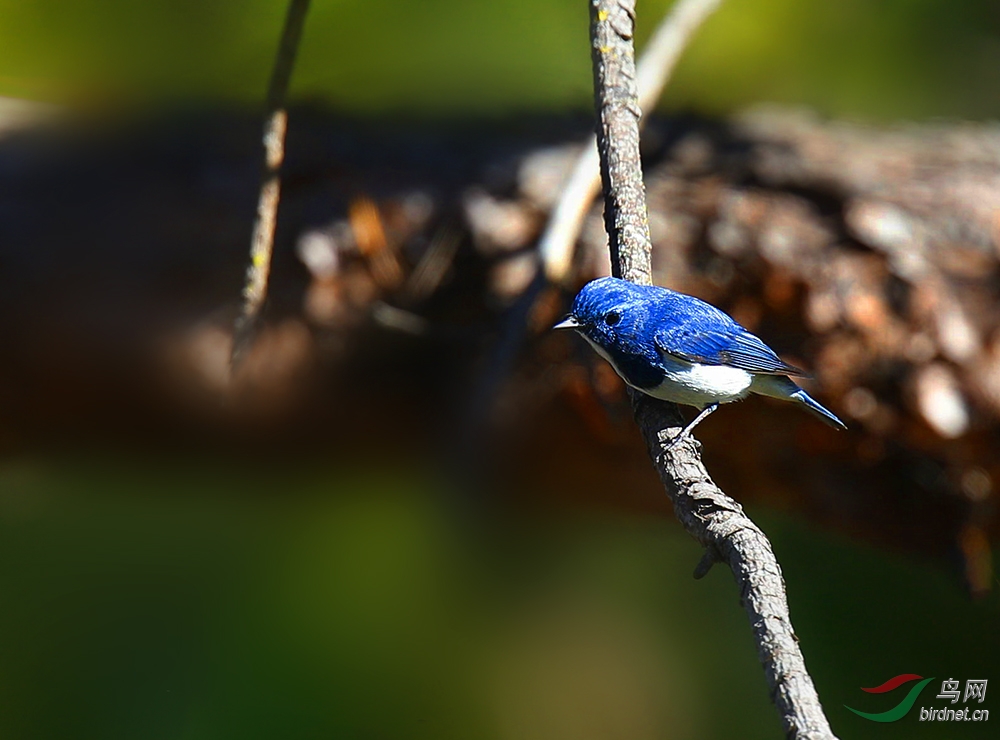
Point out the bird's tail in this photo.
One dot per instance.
(779, 386)
(818, 410)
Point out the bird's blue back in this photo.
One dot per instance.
(638, 324)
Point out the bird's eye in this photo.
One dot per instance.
(612, 317)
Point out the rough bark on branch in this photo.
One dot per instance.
(617, 102)
(707, 513)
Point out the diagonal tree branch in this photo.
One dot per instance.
(707, 513)
(275, 126)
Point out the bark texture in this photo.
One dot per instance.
(707, 513)
(616, 97)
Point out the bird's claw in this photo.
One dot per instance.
(686, 431)
(684, 434)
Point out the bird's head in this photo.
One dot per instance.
(610, 312)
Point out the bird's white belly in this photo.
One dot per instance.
(701, 385)
(692, 384)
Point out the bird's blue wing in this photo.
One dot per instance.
(720, 343)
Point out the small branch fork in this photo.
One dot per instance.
(653, 71)
(275, 127)
(706, 512)
(557, 244)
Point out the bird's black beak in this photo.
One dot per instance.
(568, 323)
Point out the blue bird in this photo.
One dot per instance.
(677, 347)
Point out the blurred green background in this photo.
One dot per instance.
(162, 599)
(273, 603)
(864, 58)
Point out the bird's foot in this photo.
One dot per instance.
(686, 431)
(684, 434)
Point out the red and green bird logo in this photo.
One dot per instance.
(905, 704)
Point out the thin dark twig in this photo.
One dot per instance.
(707, 513)
(275, 127)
